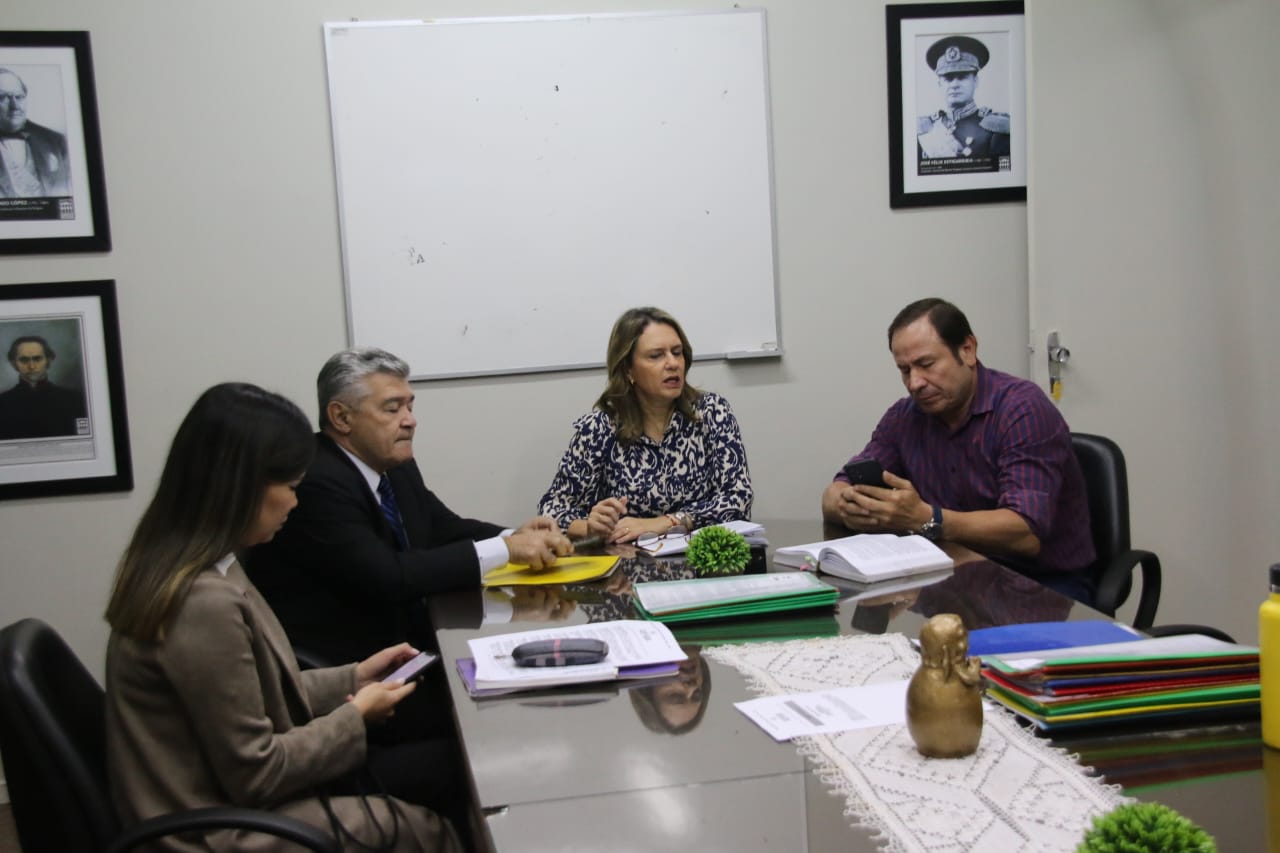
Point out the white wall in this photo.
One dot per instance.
(220, 181)
(1152, 231)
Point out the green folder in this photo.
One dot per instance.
(740, 595)
(788, 626)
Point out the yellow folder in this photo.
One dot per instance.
(575, 569)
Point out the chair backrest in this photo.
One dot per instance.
(53, 742)
(1106, 483)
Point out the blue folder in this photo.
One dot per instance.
(1036, 636)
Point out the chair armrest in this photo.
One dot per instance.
(227, 817)
(1177, 630)
(1115, 581)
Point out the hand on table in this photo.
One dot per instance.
(629, 529)
(604, 516)
(537, 547)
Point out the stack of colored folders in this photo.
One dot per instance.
(1162, 679)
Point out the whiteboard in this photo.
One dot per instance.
(508, 186)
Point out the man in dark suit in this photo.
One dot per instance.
(35, 407)
(34, 158)
(963, 130)
(368, 541)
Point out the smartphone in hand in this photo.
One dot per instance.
(412, 668)
(865, 472)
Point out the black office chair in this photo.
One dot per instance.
(1107, 488)
(53, 744)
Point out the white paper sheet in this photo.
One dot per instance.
(827, 711)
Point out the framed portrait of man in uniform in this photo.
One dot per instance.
(63, 427)
(957, 103)
(52, 190)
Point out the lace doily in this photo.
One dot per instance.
(1016, 793)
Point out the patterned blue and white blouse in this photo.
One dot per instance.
(700, 467)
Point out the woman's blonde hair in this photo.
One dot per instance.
(619, 398)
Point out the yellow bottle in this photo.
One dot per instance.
(1269, 655)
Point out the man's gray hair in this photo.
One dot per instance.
(342, 377)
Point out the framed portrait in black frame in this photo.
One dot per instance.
(53, 195)
(63, 426)
(957, 103)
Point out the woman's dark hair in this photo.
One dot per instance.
(947, 320)
(619, 398)
(236, 440)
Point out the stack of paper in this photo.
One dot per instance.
(636, 650)
(717, 598)
(1163, 678)
(867, 557)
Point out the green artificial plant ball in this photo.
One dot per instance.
(718, 550)
(1143, 827)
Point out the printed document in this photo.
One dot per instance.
(828, 711)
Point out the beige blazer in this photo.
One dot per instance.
(219, 714)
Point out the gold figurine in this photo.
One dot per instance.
(944, 698)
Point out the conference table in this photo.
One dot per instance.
(674, 765)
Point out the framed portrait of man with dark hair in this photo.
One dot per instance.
(63, 427)
(52, 189)
(957, 103)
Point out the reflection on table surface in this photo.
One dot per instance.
(610, 755)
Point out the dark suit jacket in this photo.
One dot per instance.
(333, 574)
(49, 155)
(28, 411)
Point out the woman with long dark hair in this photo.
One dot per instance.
(206, 705)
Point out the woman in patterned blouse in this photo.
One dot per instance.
(655, 453)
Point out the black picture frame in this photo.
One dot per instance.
(63, 207)
(74, 437)
(934, 160)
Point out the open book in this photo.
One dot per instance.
(867, 557)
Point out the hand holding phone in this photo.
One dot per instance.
(865, 472)
(412, 668)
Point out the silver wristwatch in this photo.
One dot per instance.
(932, 529)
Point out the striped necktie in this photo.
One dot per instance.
(391, 511)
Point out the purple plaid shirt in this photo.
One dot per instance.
(1013, 451)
